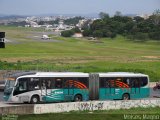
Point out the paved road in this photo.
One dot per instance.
(1, 96)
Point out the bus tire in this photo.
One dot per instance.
(125, 96)
(34, 99)
(77, 98)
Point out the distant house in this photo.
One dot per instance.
(78, 35)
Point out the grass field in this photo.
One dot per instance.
(25, 52)
(139, 113)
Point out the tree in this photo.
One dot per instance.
(86, 24)
(129, 26)
(76, 30)
(97, 25)
(155, 35)
(156, 17)
(138, 19)
(72, 21)
(87, 32)
(67, 33)
(41, 23)
(136, 28)
(118, 13)
(123, 19)
(103, 15)
(97, 33)
(138, 36)
(113, 35)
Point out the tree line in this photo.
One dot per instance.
(69, 21)
(130, 27)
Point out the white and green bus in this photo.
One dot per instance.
(47, 87)
(75, 86)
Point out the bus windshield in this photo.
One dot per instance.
(9, 87)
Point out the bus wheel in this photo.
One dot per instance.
(78, 98)
(125, 96)
(34, 99)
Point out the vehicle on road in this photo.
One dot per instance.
(35, 87)
(157, 86)
(45, 37)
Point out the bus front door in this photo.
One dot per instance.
(43, 89)
(135, 90)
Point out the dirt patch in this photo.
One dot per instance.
(151, 57)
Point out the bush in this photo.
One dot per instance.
(76, 30)
(113, 35)
(67, 33)
(87, 32)
(138, 36)
(141, 36)
(155, 35)
(98, 33)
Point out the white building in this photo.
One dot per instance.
(78, 35)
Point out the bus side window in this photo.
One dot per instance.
(58, 83)
(65, 83)
(71, 82)
(107, 85)
(68, 82)
(43, 84)
(82, 82)
(49, 83)
(34, 84)
(105, 82)
(135, 82)
(22, 86)
(102, 82)
(112, 82)
(143, 81)
(127, 82)
(118, 82)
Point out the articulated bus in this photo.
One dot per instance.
(35, 87)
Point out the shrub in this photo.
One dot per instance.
(67, 33)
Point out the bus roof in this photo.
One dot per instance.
(76, 74)
(58, 74)
(122, 74)
(18, 74)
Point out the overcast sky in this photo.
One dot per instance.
(34, 7)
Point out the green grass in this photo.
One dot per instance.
(70, 54)
(95, 115)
